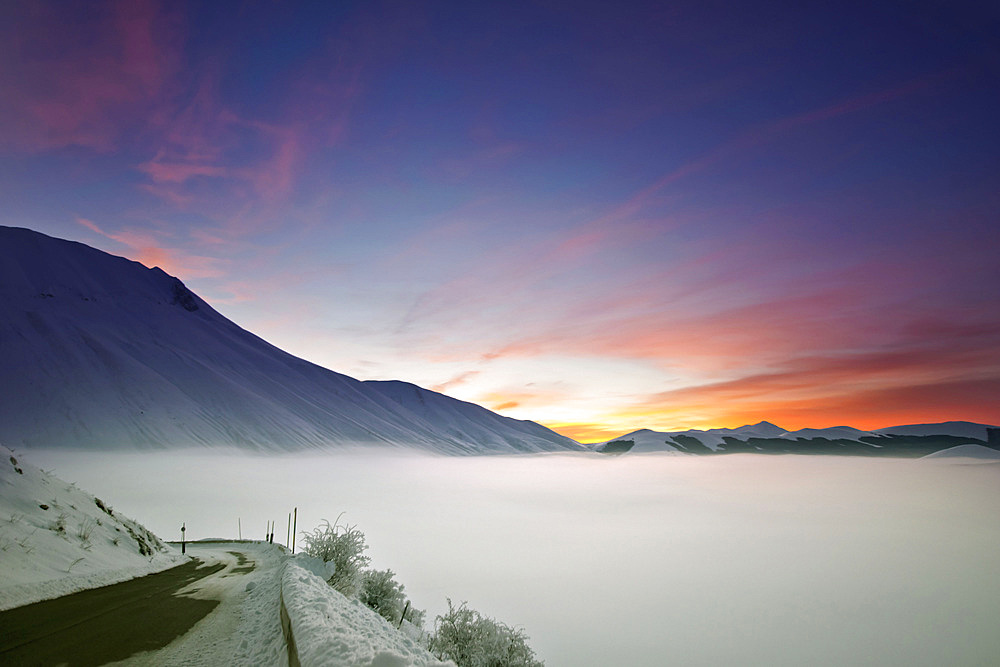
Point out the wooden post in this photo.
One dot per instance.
(295, 521)
(183, 541)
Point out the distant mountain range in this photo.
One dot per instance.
(97, 351)
(902, 441)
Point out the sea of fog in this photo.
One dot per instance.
(631, 560)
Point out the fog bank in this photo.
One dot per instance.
(637, 560)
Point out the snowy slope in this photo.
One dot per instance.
(56, 539)
(468, 421)
(758, 430)
(637, 442)
(646, 440)
(100, 351)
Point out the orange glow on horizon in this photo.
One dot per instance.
(790, 415)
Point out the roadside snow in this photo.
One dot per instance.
(56, 539)
(331, 630)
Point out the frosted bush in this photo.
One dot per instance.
(473, 640)
(342, 545)
(381, 592)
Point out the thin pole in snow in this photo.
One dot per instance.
(288, 537)
(239, 526)
(295, 523)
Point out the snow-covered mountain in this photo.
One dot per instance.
(909, 440)
(99, 351)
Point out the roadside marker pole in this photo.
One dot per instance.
(239, 526)
(288, 537)
(295, 522)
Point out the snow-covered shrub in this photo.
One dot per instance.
(342, 545)
(381, 592)
(473, 640)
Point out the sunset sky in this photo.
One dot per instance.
(616, 216)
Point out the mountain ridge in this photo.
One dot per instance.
(906, 440)
(102, 352)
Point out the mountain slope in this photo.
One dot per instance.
(468, 421)
(100, 351)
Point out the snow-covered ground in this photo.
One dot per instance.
(56, 539)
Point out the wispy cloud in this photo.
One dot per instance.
(78, 75)
(145, 247)
(455, 381)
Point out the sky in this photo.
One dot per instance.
(599, 216)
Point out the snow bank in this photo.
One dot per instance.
(56, 539)
(330, 630)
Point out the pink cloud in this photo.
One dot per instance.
(173, 172)
(77, 76)
(459, 379)
(144, 247)
(168, 194)
(932, 370)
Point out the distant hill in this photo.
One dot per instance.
(97, 351)
(766, 438)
